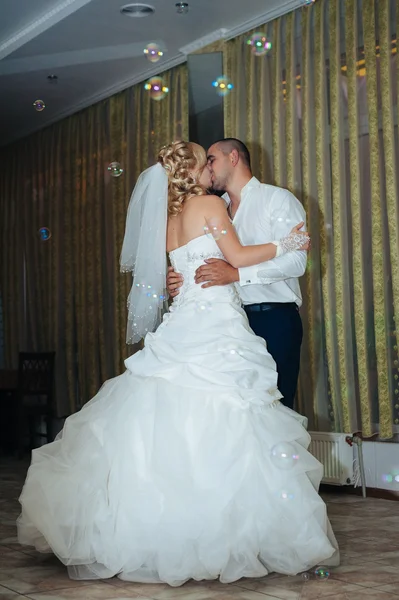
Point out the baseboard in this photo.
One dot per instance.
(350, 490)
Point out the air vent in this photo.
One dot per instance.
(137, 10)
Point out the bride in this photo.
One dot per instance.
(186, 466)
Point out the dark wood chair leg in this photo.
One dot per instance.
(32, 431)
(20, 432)
(49, 428)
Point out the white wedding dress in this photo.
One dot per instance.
(178, 468)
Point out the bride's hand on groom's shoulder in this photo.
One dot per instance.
(174, 281)
(216, 272)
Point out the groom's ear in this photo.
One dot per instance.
(234, 157)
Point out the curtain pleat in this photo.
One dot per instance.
(342, 322)
(391, 197)
(289, 99)
(358, 232)
(378, 256)
(311, 401)
(323, 162)
(277, 104)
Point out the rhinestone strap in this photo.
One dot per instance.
(198, 256)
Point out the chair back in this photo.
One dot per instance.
(36, 373)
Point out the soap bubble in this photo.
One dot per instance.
(153, 52)
(322, 573)
(181, 8)
(115, 169)
(231, 349)
(392, 477)
(203, 306)
(286, 495)
(44, 234)
(222, 85)
(214, 230)
(156, 88)
(284, 455)
(39, 105)
(259, 43)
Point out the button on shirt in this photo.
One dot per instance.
(265, 214)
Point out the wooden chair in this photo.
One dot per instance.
(34, 396)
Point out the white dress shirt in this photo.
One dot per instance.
(265, 214)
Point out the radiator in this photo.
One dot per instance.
(336, 456)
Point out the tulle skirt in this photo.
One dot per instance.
(153, 484)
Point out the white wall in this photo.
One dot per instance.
(381, 465)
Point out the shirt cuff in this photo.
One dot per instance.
(248, 275)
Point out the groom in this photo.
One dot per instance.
(270, 291)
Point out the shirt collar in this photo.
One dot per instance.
(253, 182)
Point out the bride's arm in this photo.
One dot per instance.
(218, 224)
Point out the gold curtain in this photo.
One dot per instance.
(67, 294)
(319, 113)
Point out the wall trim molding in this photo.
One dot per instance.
(39, 25)
(204, 41)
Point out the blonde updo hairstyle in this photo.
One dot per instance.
(181, 159)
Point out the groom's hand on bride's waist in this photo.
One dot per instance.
(216, 272)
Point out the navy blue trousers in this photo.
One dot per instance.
(281, 328)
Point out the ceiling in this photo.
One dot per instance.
(95, 51)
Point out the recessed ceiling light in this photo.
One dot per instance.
(182, 8)
(137, 10)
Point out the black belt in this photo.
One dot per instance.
(269, 306)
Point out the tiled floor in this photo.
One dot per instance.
(367, 530)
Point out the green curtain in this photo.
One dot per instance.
(320, 115)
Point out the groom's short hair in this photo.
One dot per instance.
(229, 144)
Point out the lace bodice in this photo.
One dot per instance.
(188, 258)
